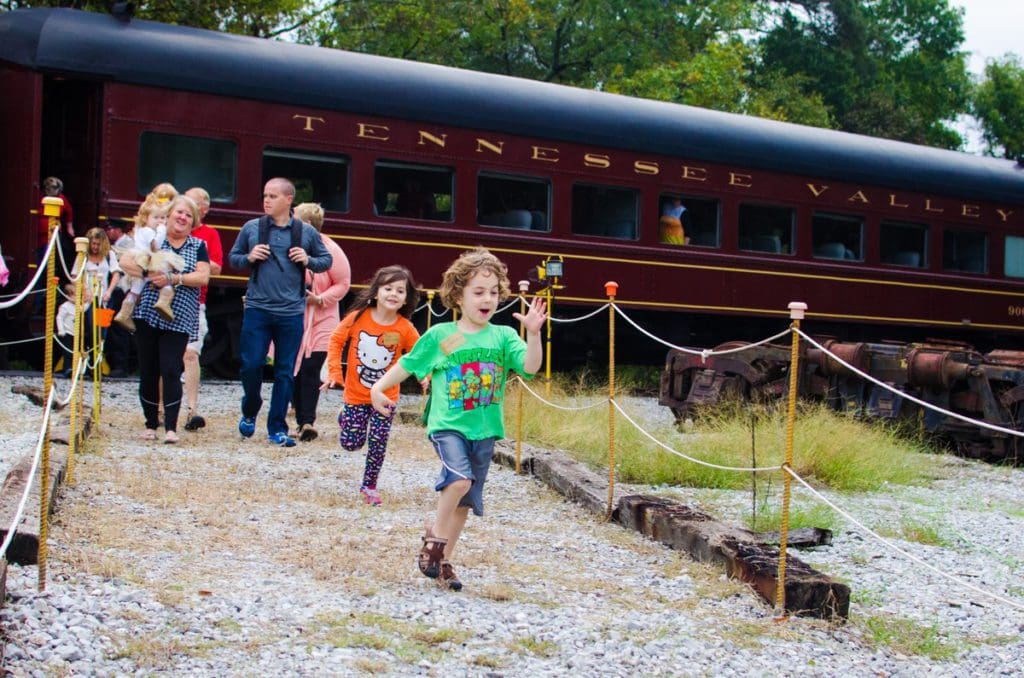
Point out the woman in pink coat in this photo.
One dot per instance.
(324, 292)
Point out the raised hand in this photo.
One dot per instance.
(535, 317)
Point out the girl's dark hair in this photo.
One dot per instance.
(367, 297)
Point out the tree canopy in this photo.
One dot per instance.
(890, 68)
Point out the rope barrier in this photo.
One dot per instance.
(551, 404)
(30, 293)
(883, 541)
(684, 456)
(31, 474)
(582, 317)
(703, 353)
(23, 341)
(904, 394)
(35, 279)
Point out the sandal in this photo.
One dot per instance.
(194, 422)
(431, 555)
(307, 433)
(148, 434)
(170, 438)
(448, 578)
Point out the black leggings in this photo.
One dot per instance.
(160, 357)
(306, 391)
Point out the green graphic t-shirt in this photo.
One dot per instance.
(468, 374)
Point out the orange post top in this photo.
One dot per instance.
(610, 288)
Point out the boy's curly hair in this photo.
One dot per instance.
(465, 267)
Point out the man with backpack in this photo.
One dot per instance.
(277, 249)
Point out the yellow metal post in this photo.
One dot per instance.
(97, 355)
(524, 286)
(51, 208)
(76, 358)
(610, 288)
(547, 344)
(430, 306)
(796, 314)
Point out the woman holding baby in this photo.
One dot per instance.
(161, 341)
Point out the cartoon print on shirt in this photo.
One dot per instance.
(472, 385)
(374, 359)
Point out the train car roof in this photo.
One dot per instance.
(101, 46)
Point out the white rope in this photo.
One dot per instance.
(890, 545)
(438, 315)
(904, 394)
(703, 353)
(74, 383)
(688, 458)
(31, 474)
(551, 404)
(582, 317)
(64, 266)
(31, 292)
(35, 279)
(22, 341)
(515, 300)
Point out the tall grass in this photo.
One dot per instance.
(830, 449)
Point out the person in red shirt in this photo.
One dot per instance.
(211, 237)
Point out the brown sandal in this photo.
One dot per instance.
(431, 555)
(447, 579)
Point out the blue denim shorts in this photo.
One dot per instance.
(463, 459)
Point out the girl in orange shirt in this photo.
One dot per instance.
(378, 333)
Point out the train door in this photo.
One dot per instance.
(20, 122)
(69, 145)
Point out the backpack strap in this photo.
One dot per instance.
(297, 228)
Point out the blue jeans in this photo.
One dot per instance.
(259, 328)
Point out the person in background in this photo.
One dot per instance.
(66, 328)
(118, 347)
(209, 235)
(161, 342)
(378, 332)
(275, 303)
(53, 187)
(324, 291)
(670, 226)
(102, 272)
(468, 362)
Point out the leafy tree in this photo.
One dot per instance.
(999, 107)
(889, 68)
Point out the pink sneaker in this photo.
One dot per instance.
(371, 495)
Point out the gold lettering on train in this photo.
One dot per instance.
(437, 141)
(859, 197)
(371, 131)
(646, 167)
(494, 148)
(893, 203)
(817, 190)
(972, 211)
(597, 160)
(694, 173)
(928, 206)
(741, 180)
(545, 153)
(1004, 214)
(308, 127)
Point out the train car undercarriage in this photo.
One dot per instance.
(953, 376)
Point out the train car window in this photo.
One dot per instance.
(904, 244)
(513, 202)
(964, 250)
(413, 191)
(188, 161)
(1013, 264)
(317, 177)
(766, 228)
(697, 217)
(837, 236)
(607, 211)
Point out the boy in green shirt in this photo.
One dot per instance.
(468, 361)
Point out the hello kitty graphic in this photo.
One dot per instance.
(374, 359)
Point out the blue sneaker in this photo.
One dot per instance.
(247, 426)
(281, 440)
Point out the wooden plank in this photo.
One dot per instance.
(24, 548)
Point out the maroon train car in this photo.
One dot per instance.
(415, 162)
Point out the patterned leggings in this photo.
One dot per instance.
(355, 421)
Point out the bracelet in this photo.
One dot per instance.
(181, 279)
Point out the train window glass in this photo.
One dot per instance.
(513, 202)
(837, 236)
(698, 218)
(1013, 265)
(766, 228)
(317, 177)
(413, 191)
(188, 161)
(904, 244)
(606, 211)
(964, 250)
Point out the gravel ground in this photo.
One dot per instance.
(222, 557)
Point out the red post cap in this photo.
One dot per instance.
(610, 288)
